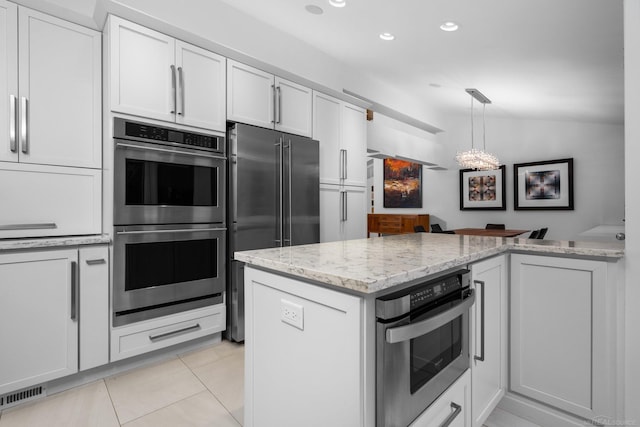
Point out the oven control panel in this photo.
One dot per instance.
(150, 133)
(435, 290)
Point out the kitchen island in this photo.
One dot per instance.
(311, 322)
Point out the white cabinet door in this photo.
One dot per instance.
(8, 81)
(201, 87)
(561, 348)
(60, 82)
(330, 213)
(250, 95)
(49, 201)
(327, 130)
(143, 78)
(452, 408)
(94, 306)
(355, 224)
(293, 103)
(38, 320)
(488, 337)
(354, 142)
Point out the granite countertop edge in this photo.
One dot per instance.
(53, 242)
(368, 285)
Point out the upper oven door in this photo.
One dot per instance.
(157, 184)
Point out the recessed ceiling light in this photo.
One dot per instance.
(449, 26)
(338, 3)
(313, 9)
(387, 36)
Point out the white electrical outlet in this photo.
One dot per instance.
(292, 314)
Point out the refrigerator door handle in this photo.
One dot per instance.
(279, 219)
(290, 214)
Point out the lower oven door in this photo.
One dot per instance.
(160, 270)
(418, 357)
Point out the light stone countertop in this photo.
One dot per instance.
(371, 265)
(53, 242)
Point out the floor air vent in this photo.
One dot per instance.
(21, 396)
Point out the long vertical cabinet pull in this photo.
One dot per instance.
(344, 167)
(173, 89)
(74, 290)
(279, 102)
(13, 107)
(343, 206)
(180, 97)
(343, 154)
(481, 357)
(273, 103)
(24, 125)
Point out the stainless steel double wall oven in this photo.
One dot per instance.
(422, 346)
(169, 220)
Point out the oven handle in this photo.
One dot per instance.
(414, 330)
(164, 150)
(178, 230)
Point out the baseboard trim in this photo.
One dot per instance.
(539, 414)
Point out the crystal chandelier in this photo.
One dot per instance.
(475, 158)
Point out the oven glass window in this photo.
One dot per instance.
(166, 263)
(432, 352)
(158, 183)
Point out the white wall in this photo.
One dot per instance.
(597, 150)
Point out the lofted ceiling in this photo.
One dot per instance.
(543, 59)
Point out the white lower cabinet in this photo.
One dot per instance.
(49, 200)
(488, 337)
(142, 337)
(94, 306)
(343, 212)
(38, 318)
(453, 407)
(563, 334)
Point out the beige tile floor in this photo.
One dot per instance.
(200, 388)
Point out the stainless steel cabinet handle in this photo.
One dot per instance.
(24, 125)
(166, 335)
(344, 168)
(273, 103)
(173, 89)
(42, 226)
(74, 290)
(279, 105)
(414, 330)
(481, 357)
(13, 106)
(180, 98)
(343, 154)
(456, 411)
(96, 261)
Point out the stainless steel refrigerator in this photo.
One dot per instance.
(274, 200)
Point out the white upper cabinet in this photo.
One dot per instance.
(261, 99)
(341, 129)
(156, 76)
(51, 87)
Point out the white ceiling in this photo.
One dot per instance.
(547, 59)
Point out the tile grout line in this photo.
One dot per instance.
(111, 400)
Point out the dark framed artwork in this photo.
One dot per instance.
(402, 184)
(483, 190)
(546, 185)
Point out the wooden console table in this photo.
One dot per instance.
(395, 224)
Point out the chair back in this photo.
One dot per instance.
(542, 233)
(419, 229)
(494, 227)
(534, 234)
(435, 228)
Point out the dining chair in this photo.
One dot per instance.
(419, 229)
(534, 234)
(542, 232)
(494, 227)
(435, 228)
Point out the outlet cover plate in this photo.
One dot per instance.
(292, 313)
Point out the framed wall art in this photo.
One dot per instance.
(402, 184)
(482, 190)
(546, 185)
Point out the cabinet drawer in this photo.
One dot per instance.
(49, 201)
(453, 406)
(143, 337)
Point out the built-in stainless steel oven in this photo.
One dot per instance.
(422, 345)
(167, 176)
(165, 269)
